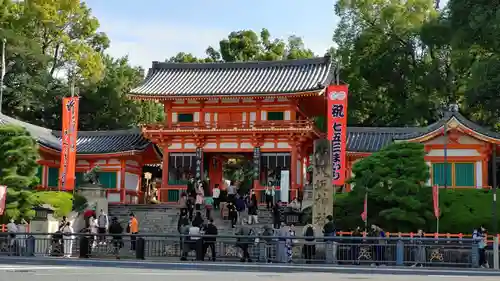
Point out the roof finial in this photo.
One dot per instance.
(453, 107)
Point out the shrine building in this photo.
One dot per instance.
(262, 112)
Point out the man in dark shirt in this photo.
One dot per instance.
(329, 227)
(116, 230)
(232, 213)
(209, 242)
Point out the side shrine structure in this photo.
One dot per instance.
(262, 112)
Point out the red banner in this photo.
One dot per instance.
(337, 130)
(68, 145)
(3, 198)
(435, 200)
(364, 214)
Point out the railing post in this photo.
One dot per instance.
(262, 251)
(400, 252)
(495, 253)
(475, 255)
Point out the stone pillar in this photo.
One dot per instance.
(322, 183)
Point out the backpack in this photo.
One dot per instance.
(309, 233)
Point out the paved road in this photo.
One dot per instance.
(48, 273)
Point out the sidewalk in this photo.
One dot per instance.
(246, 267)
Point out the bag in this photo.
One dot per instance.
(309, 233)
(128, 228)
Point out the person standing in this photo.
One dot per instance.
(232, 213)
(116, 231)
(216, 196)
(22, 230)
(231, 192)
(103, 224)
(479, 236)
(183, 203)
(199, 196)
(309, 248)
(94, 230)
(252, 209)
(68, 238)
(270, 192)
(277, 214)
(133, 229)
(209, 242)
(247, 237)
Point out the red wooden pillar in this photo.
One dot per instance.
(164, 171)
(123, 195)
(293, 170)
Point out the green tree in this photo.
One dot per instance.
(18, 168)
(247, 45)
(474, 30)
(389, 66)
(394, 179)
(115, 110)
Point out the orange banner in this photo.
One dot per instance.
(68, 143)
(337, 131)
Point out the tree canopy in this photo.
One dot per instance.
(247, 45)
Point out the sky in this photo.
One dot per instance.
(155, 30)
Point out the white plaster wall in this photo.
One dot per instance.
(114, 161)
(454, 152)
(131, 181)
(207, 117)
(174, 117)
(229, 145)
(263, 115)
(283, 145)
(82, 162)
(118, 179)
(253, 116)
(268, 145)
(175, 146)
(190, 146)
(196, 117)
(210, 145)
(114, 197)
(287, 115)
(479, 174)
(469, 140)
(229, 100)
(246, 145)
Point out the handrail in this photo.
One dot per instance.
(221, 125)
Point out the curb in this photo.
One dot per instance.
(246, 267)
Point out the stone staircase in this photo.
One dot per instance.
(157, 219)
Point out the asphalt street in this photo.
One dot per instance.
(65, 273)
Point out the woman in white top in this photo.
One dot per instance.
(68, 237)
(215, 196)
(93, 227)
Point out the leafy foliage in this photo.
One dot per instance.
(247, 45)
(394, 179)
(18, 168)
(240, 172)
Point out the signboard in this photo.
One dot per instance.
(337, 131)
(3, 198)
(68, 143)
(256, 163)
(199, 163)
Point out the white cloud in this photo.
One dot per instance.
(145, 42)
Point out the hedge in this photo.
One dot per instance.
(462, 210)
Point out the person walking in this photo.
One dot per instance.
(245, 240)
(68, 238)
(199, 196)
(216, 196)
(240, 207)
(231, 193)
(183, 201)
(103, 224)
(232, 214)
(419, 249)
(94, 230)
(309, 248)
(277, 215)
(133, 230)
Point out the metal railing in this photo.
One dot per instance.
(427, 252)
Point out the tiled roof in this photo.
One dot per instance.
(88, 142)
(236, 78)
(371, 139)
(446, 118)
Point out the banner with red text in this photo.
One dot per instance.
(337, 130)
(3, 198)
(435, 200)
(68, 143)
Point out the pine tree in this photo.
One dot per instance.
(18, 169)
